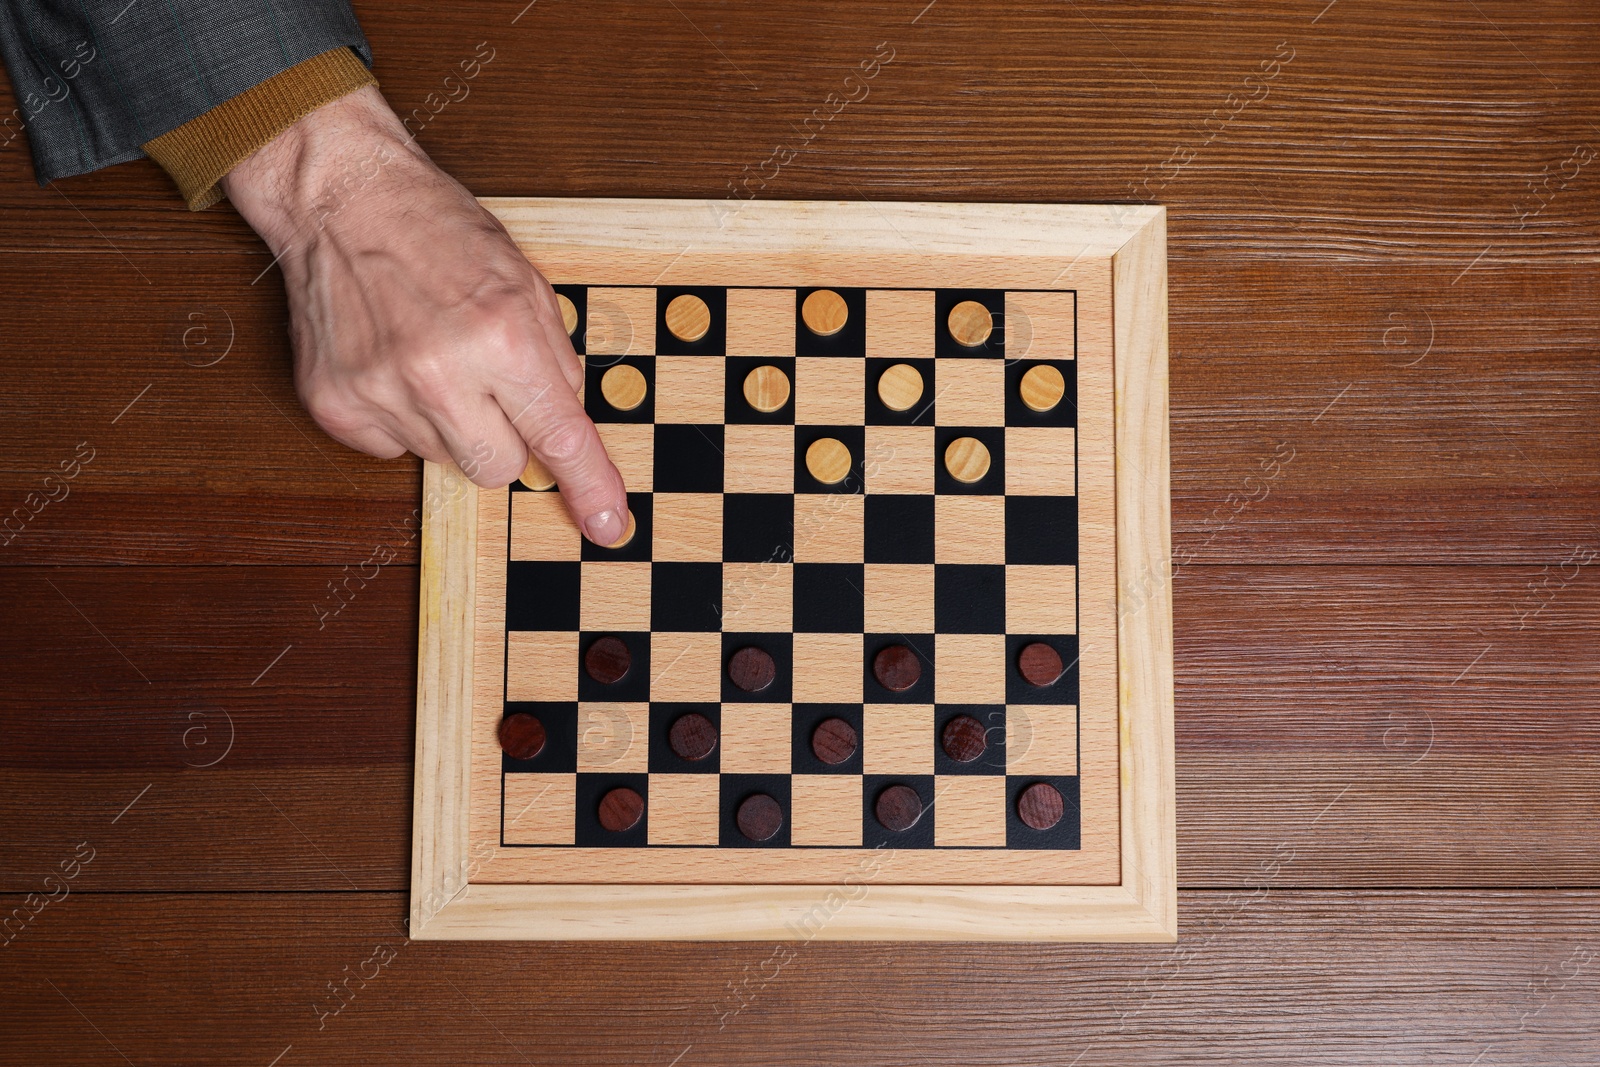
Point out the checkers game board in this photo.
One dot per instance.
(863, 629)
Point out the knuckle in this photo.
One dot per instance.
(563, 440)
(426, 375)
(497, 470)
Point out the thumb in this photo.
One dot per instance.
(562, 437)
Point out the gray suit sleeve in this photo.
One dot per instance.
(95, 79)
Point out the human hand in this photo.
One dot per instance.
(417, 324)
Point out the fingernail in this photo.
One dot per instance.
(604, 528)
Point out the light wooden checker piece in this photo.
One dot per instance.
(879, 621)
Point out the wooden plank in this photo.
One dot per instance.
(177, 402)
(1297, 688)
(1327, 414)
(1281, 382)
(1261, 976)
(1367, 145)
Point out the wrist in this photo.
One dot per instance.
(296, 184)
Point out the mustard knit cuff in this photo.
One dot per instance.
(202, 150)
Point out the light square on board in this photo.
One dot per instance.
(541, 528)
(756, 739)
(614, 737)
(689, 389)
(1041, 739)
(968, 529)
(757, 459)
(900, 323)
(1041, 461)
(614, 596)
(897, 738)
(761, 322)
(969, 668)
(828, 528)
(540, 809)
(621, 322)
(899, 459)
(683, 809)
(971, 810)
(829, 391)
(688, 527)
(685, 666)
(827, 668)
(758, 597)
(1041, 599)
(826, 809)
(899, 598)
(542, 665)
(1041, 325)
(970, 392)
(632, 447)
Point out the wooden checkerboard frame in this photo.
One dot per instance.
(1115, 253)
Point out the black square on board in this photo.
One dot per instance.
(1065, 688)
(806, 718)
(1042, 529)
(688, 458)
(665, 761)
(579, 295)
(992, 717)
(758, 527)
(853, 438)
(920, 644)
(714, 343)
(541, 595)
(1063, 414)
(636, 550)
(945, 345)
(633, 686)
(899, 529)
(592, 787)
(969, 598)
(735, 790)
(828, 598)
(919, 414)
(560, 721)
(780, 646)
(875, 834)
(594, 401)
(1065, 834)
(686, 597)
(737, 408)
(851, 340)
(993, 483)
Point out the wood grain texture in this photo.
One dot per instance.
(1386, 173)
(1443, 148)
(1259, 977)
(1492, 459)
(1297, 688)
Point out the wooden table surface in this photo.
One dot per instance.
(1384, 259)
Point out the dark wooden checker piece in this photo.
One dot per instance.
(963, 739)
(608, 660)
(752, 669)
(834, 741)
(1039, 664)
(898, 807)
(621, 809)
(1041, 806)
(759, 817)
(693, 736)
(897, 668)
(521, 735)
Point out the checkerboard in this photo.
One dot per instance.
(736, 544)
